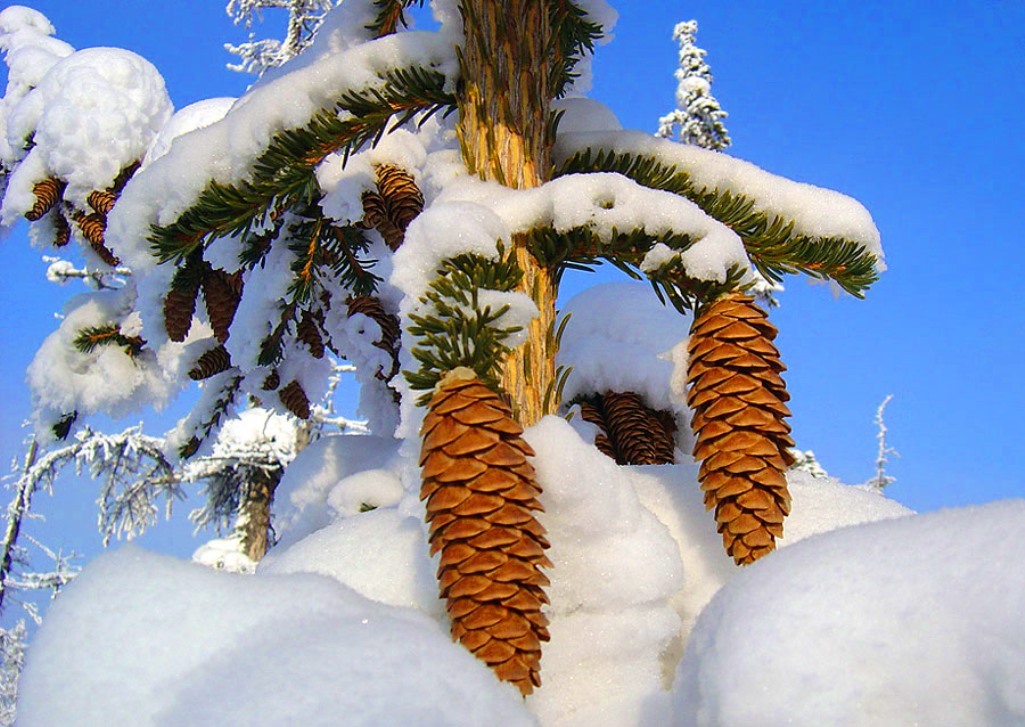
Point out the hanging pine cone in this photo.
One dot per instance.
(590, 411)
(272, 382)
(61, 230)
(402, 198)
(294, 399)
(307, 330)
(210, 363)
(220, 291)
(638, 433)
(374, 210)
(481, 495)
(48, 193)
(180, 303)
(94, 228)
(102, 201)
(737, 396)
(631, 432)
(123, 176)
(371, 307)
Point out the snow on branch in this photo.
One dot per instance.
(256, 56)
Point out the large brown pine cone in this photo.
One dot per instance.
(481, 496)
(48, 193)
(94, 229)
(307, 330)
(737, 396)
(631, 432)
(61, 230)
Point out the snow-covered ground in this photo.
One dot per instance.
(868, 614)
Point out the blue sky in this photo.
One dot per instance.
(913, 109)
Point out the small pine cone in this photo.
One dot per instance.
(211, 362)
(272, 382)
(294, 399)
(61, 230)
(48, 193)
(123, 176)
(640, 435)
(308, 331)
(102, 201)
(222, 298)
(737, 396)
(403, 199)
(481, 496)
(374, 210)
(591, 412)
(371, 307)
(180, 303)
(93, 227)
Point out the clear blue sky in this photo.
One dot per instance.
(913, 108)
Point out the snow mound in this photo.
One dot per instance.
(141, 639)
(912, 621)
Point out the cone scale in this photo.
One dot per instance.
(481, 496)
(741, 439)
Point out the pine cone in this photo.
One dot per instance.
(631, 432)
(374, 210)
(591, 412)
(371, 307)
(102, 202)
(737, 396)
(308, 331)
(93, 227)
(481, 493)
(210, 363)
(180, 303)
(62, 230)
(294, 399)
(272, 382)
(402, 198)
(222, 295)
(48, 193)
(638, 433)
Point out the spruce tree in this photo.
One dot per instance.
(277, 261)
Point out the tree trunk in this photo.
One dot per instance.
(254, 516)
(504, 109)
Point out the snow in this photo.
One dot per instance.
(816, 212)
(64, 380)
(910, 621)
(91, 115)
(348, 599)
(621, 338)
(147, 640)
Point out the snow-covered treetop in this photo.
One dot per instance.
(698, 118)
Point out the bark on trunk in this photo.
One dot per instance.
(256, 512)
(504, 107)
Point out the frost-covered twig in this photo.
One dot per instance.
(61, 271)
(883, 452)
(12, 660)
(256, 56)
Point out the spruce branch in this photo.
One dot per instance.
(455, 328)
(390, 14)
(581, 248)
(284, 175)
(771, 241)
(91, 338)
(573, 37)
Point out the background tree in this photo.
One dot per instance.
(256, 56)
(698, 118)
